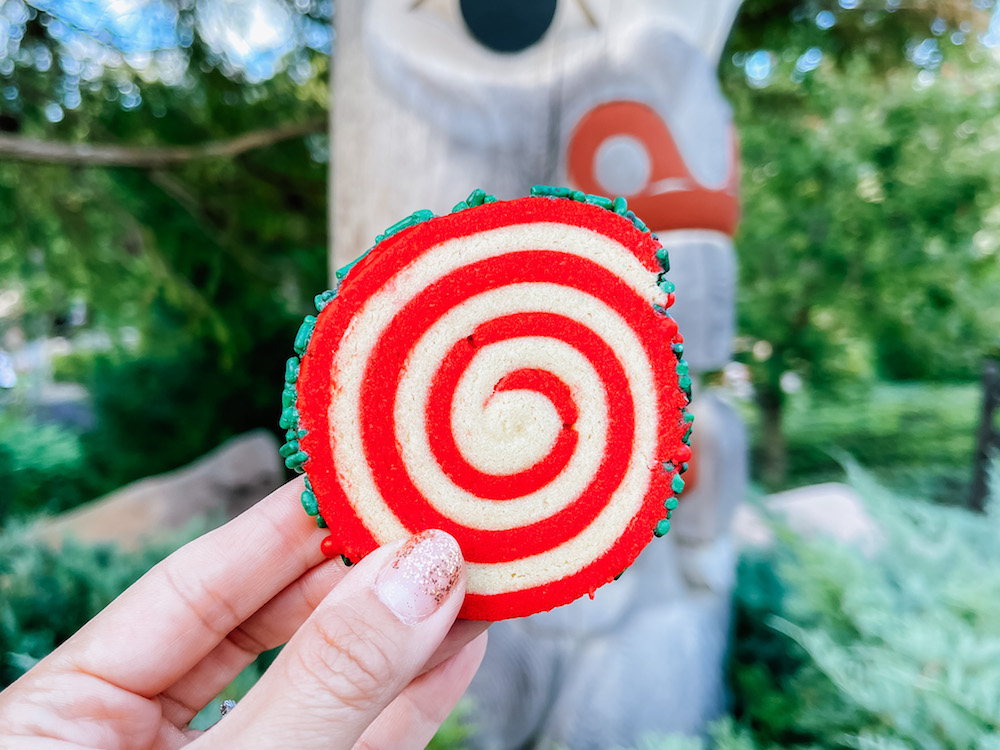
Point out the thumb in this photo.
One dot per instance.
(365, 642)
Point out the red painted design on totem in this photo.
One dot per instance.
(671, 198)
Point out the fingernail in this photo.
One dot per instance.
(420, 577)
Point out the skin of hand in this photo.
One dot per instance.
(374, 657)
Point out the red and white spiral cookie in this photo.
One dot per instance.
(507, 373)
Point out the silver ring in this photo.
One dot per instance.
(227, 706)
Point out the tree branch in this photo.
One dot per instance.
(16, 148)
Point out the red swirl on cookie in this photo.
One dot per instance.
(505, 374)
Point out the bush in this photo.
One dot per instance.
(42, 468)
(834, 650)
(918, 437)
(74, 367)
(47, 594)
(163, 408)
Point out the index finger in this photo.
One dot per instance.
(172, 617)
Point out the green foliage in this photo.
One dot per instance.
(869, 241)
(835, 650)
(42, 467)
(722, 735)
(47, 594)
(212, 261)
(73, 367)
(454, 734)
(916, 437)
(164, 407)
(156, 409)
(206, 239)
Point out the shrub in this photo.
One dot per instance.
(42, 468)
(47, 594)
(903, 650)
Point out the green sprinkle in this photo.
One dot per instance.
(682, 367)
(636, 221)
(678, 349)
(308, 484)
(320, 522)
(417, 217)
(398, 227)
(684, 467)
(304, 334)
(688, 416)
(685, 382)
(460, 206)
(601, 202)
(292, 370)
(687, 437)
(671, 503)
(289, 417)
(662, 527)
(293, 434)
(342, 272)
(663, 258)
(677, 484)
(288, 396)
(617, 205)
(324, 299)
(550, 191)
(666, 285)
(346, 562)
(476, 197)
(296, 460)
(309, 503)
(289, 448)
(620, 575)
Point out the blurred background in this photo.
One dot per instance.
(164, 228)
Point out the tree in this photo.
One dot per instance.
(870, 234)
(197, 218)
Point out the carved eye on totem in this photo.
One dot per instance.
(512, 26)
(509, 26)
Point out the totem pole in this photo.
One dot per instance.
(434, 98)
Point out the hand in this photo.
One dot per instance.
(374, 659)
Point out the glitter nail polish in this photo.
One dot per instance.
(421, 576)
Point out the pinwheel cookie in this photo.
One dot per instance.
(509, 373)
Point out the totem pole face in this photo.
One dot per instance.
(614, 97)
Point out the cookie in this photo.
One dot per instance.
(508, 373)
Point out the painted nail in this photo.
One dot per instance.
(421, 576)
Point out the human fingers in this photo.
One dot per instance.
(364, 643)
(269, 627)
(179, 612)
(414, 717)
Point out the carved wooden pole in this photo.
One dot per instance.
(433, 98)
